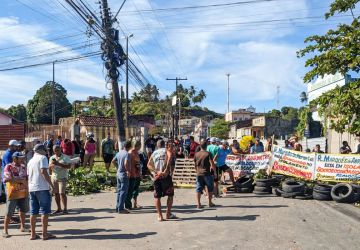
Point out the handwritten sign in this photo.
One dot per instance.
(337, 168)
(251, 163)
(293, 163)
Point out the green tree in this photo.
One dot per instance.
(220, 129)
(337, 51)
(19, 112)
(274, 113)
(289, 113)
(39, 108)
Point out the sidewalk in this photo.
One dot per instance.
(241, 221)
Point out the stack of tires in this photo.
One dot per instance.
(322, 192)
(292, 188)
(345, 193)
(264, 186)
(244, 184)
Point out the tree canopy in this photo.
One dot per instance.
(39, 108)
(220, 129)
(337, 51)
(19, 112)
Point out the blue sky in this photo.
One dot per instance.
(246, 40)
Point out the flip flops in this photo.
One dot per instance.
(172, 217)
(5, 235)
(49, 237)
(36, 237)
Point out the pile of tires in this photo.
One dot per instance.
(243, 184)
(322, 192)
(291, 188)
(345, 193)
(264, 186)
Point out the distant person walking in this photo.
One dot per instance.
(39, 188)
(204, 164)
(15, 177)
(122, 162)
(90, 151)
(159, 165)
(59, 163)
(107, 150)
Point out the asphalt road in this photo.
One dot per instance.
(240, 221)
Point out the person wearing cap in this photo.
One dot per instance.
(39, 190)
(220, 162)
(15, 174)
(135, 176)
(257, 147)
(7, 158)
(59, 163)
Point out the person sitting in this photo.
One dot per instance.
(257, 147)
(345, 149)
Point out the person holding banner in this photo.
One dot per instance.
(258, 147)
(15, 177)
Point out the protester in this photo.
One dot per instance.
(358, 147)
(268, 144)
(159, 164)
(288, 145)
(39, 188)
(317, 149)
(59, 164)
(223, 152)
(257, 147)
(345, 149)
(7, 159)
(135, 176)
(122, 163)
(78, 148)
(297, 146)
(49, 143)
(235, 148)
(67, 147)
(15, 175)
(58, 140)
(212, 148)
(193, 146)
(107, 150)
(90, 151)
(204, 164)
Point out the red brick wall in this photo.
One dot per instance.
(9, 132)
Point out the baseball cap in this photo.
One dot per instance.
(212, 139)
(39, 147)
(18, 155)
(257, 139)
(13, 143)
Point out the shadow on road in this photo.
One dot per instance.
(78, 218)
(224, 218)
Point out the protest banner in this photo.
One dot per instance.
(293, 163)
(251, 163)
(337, 168)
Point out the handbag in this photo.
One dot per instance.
(17, 189)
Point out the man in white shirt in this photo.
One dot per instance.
(39, 190)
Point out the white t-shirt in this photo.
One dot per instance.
(36, 180)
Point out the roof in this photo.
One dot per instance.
(14, 120)
(242, 124)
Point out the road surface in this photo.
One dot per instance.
(240, 221)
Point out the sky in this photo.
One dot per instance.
(255, 43)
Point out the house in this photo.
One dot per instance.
(237, 129)
(201, 130)
(10, 128)
(264, 126)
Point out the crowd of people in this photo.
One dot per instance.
(31, 177)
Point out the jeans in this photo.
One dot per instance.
(40, 202)
(122, 190)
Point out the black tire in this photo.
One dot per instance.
(276, 191)
(262, 189)
(261, 193)
(323, 187)
(289, 194)
(244, 182)
(293, 186)
(262, 184)
(321, 196)
(305, 197)
(343, 193)
(246, 190)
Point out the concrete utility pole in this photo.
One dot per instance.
(127, 86)
(176, 111)
(110, 36)
(228, 92)
(53, 96)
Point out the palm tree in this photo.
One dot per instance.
(303, 97)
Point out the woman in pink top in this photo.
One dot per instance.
(90, 150)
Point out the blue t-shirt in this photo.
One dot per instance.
(6, 159)
(221, 156)
(120, 158)
(256, 149)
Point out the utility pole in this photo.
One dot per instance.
(228, 92)
(127, 86)
(110, 36)
(176, 112)
(53, 96)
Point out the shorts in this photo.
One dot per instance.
(216, 179)
(40, 202)
(108, 158)
(163, 187)
(223, 168)
(22, 204)
(59, 186)
(202, 181)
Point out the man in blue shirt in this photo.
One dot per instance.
(7, 159)
(122, 163)
(257, 148)
(220, 159)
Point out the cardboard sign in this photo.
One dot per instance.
(251, 163)
(293, 163)
(337, 168)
